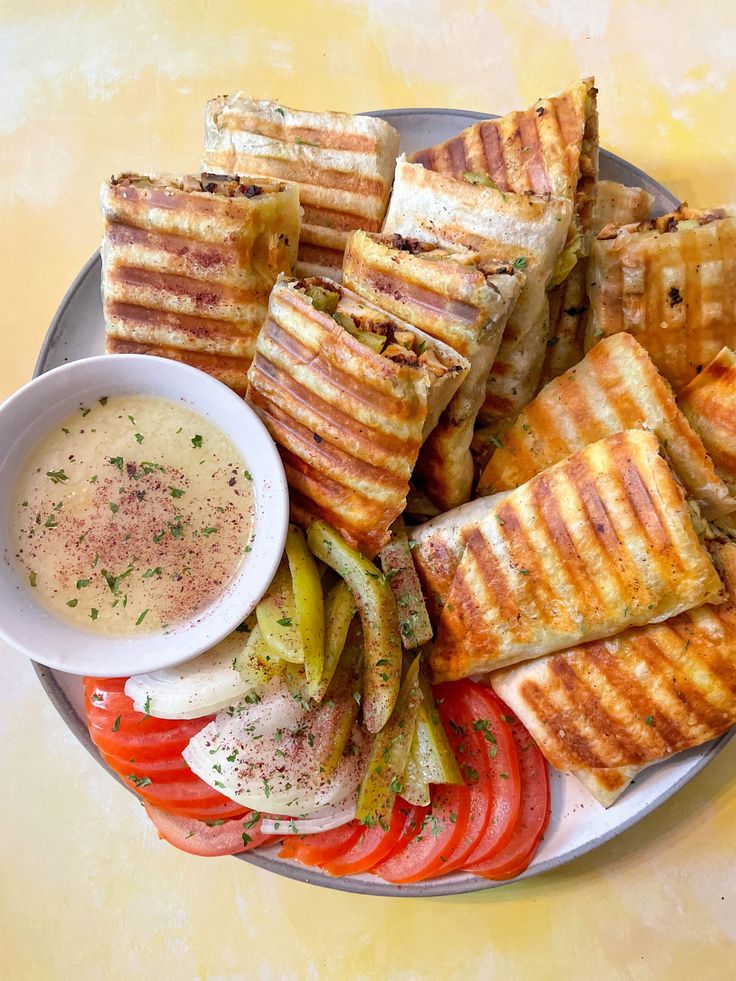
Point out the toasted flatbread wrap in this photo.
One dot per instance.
(348, 398)
(602, 541)
(671, 282)
(614, 387)
(446, 294)
(188, 264)
(525, 230)
(342, 164)
(550, 148)
(568, 303)
(635, 698)
(709, 402)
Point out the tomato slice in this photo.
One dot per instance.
(470, 751)
(146, 752)
(198, 838)
(489, 718)
(322, 847)
(372, 845)
(515, 856)
(440, 832)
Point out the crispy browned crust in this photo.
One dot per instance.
(709, 402)
(232, 372)
(187, 273)
(348, 422)
(343, 165)
(614, 387)
(528, 230)
(600, 542)
(673, 288)
(550, 148)
(454, 301)
(568, 303)
(632, 699)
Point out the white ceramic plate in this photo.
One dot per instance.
(578, 822)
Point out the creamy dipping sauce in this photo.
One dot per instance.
(132, 515)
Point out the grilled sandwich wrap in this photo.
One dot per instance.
(614, 387)
(709, 402)
(614, 204)
(342, 164)
(550, 148)
(446, 294)
(602, 541)
(636, 698)
(188, 264)
(348, 398)
(524, 230)
(671, 282)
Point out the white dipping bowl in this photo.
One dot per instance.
(27, 416)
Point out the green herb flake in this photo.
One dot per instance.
(519, 263)
(114, 507)
(300, 142)
(82, 583)
(57, 476)
(209, 531)
(157, 538)
(139, 781)
(284, 622)
(649, 720)
(116, 724)
(176, 492)
(138, 437)
(150, 573)
(396, 786)
(72, 603)
(93, 613)
(32, 578)
(197, 441)
(65, 430)
(141, 618)
(117, 461)
(50, 522)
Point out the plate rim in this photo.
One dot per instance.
(433, 887)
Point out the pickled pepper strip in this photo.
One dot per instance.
(398, 567)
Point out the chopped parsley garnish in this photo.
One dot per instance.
(57, 476)
(72, 602)
(157, 538)
(114, 507)
(369, 821)
(116, 724)
(139, 781)
(117, 461)
(176, 492)
(300, 142)
(246, 838)
(247, 475)
(197, 441)
(141, 618)
(150, 573)
(139, 437)
(284, 622)
(82, 583)
(32, 578)
(520, 263)
(209, 531)
(50, 522)
(175, 530)
(266, 788)
(396, 786)
(93, 613)
(649, 720)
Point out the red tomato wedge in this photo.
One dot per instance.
(146, 752)
(487, 716)
(440, 832)
(515, 856)
(372, 845)
(198, 838)
(469, 747)
(322, 847)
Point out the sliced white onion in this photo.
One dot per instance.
(334, 816)
(259, 756)
(203, 685)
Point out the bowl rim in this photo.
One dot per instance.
(51, 393)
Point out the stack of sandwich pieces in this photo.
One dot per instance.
(510, 353)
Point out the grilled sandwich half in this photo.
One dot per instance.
(614, 387)
(709, 402)
(446, 293)
(615, 204)
(188, 264)
(605, 709)
(671, 282)
(550, 148)
(525, 231)
(348, 393)
(342, 164)
(602, 541)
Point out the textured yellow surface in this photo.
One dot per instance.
(86, 890)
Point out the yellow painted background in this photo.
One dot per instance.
(86, 890)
